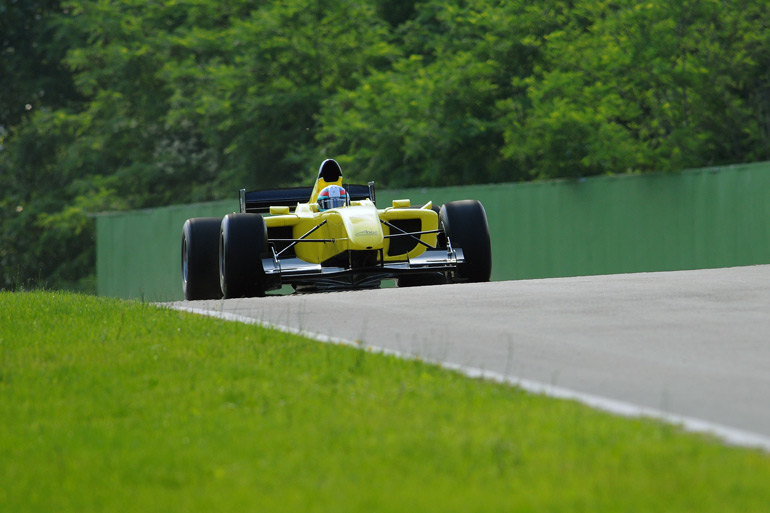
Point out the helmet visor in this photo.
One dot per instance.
(332, 197)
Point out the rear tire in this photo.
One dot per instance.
(200, 258)
(465, 224)
(242, 241)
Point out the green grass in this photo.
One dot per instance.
(108, 405)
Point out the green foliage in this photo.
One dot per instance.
(434, 117)
(174, 103)
(115, 104)
(32, 74)
(646, 86)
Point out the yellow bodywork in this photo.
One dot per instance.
(357, 227)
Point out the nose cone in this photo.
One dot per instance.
(363, 227)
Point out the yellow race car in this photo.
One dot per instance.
(332, 236)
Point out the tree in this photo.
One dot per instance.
(644, 87)
(31, 73)
(431, 119)
(175, 103)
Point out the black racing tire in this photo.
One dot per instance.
(200, 258)
(465, 224)
(242, 242)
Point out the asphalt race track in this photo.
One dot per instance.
(694, 344)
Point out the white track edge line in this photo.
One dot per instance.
(731, 436)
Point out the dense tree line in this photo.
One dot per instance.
(118, 104)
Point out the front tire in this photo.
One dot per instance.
(465, 225)
(242, 241)
(200, 258)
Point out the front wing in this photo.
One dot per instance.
(298, 273)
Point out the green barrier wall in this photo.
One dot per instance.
(138, 253)
(716, 217)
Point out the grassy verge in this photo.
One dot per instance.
(120, 406)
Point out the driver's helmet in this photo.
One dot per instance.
(332, 196)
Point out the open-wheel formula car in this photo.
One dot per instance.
(332, 237)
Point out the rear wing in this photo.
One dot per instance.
(259, 202)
